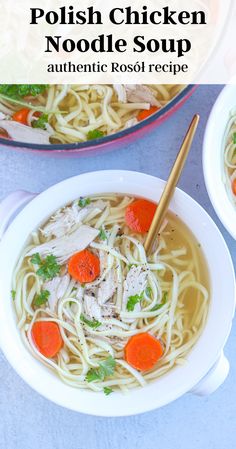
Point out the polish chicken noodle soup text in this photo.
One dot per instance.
(91, 305)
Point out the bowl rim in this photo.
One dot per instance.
(217, 193)
(112, 138)
(26, 366)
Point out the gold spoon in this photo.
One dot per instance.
(170, 185)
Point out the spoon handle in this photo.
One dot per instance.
(170, 185)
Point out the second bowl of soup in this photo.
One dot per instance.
(219, 158)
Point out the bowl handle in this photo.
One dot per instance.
(214, 379)
(11, 205)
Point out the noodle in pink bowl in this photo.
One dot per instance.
(78, 119)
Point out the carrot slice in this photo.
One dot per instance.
(84, 266)
(47, 338)
(139, 215)
(143, 351)
(146, 113)
(21, 116)
(234, 186)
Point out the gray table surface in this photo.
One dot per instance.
(27, 420)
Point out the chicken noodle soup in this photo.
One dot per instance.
(44, 114)
(92, 307)
(230, 159)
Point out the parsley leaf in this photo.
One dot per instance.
(84, 202)
(94, 324)
(48, 268)
(93, 375)
(102, 234)
(163, 302)
(107, 391)
(13, 294)
(42, 298)
(40, 122)
(234, 138)
(17, 91)
(95, 134)
(106, 368)
(36, 259)
(132, 301)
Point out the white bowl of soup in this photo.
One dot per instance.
(219, 158)
(92, 323)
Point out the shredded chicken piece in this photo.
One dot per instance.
(107, 287)
(103, 260)
(92, 308)
(121, 92)
(23, 133)
(63, 221)
(64, 247)
(140, 93)
(134, 284)
(80, 292)
(57, 288)
(109, 310)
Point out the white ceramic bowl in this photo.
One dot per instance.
(206, 367)
(213, 154)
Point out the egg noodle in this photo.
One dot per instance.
(173, 307)
(230, 158)
(76, 110)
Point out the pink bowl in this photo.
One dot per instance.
(108, 142)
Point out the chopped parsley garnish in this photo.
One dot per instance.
(93, 374)
(36, 259)
(94, 324)
(48, 268)
(95, 134)
(17, 91)
(40, 122)
(148, 292)
(84, 202)
(163, 302)
(105, 369)
(42, 298)
(13, 294)
(102, 234)
(132, 301)
(234, 138)
(107, 391)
